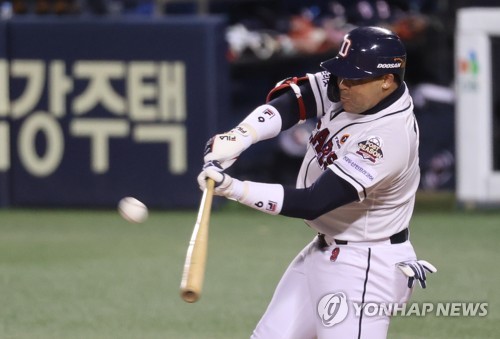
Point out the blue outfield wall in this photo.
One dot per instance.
(101, 109)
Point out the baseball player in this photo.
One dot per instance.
(356, 188)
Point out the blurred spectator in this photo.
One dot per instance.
(277, 33)
(99, 7)
(19, 7)
(44, 7)
(119, 7)
(93, 7)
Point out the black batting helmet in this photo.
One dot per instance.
(368, 52)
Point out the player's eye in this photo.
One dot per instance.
(356, 82)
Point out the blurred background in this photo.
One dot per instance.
(102, 99)
(106, 98)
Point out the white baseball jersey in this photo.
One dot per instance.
(376, 153)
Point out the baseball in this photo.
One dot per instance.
(132, 210)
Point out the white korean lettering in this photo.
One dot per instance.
(99, 89)
(140, 92)
(149, 91)
(34, 73)
(4, 146)
(99, 131)
(173, 91)
(45, 124)
(176, 138)
(59, 86)
(4, 88)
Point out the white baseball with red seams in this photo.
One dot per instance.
(132, 210)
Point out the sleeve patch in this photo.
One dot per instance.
(371, 149)
(361, 171)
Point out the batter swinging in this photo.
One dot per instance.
(356, 188)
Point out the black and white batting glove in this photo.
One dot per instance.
(416, 270)
(227, 147)
(224, 184)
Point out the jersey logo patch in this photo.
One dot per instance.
(271, 206)
(371, 149)
(340, 141)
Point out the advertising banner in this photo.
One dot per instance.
(102, 109)
(478, 175)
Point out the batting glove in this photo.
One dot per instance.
(224, 185)
(225, 148)
(416, 270)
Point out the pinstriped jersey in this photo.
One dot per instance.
(376, 153)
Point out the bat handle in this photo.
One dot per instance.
(210, 186)
(194, 266)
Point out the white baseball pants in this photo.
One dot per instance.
(321, 292)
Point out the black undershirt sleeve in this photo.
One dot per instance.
(328, 192)
(288, 107)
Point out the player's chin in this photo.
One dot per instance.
(347, 104)
(350, 107)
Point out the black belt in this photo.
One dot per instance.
(397, 238)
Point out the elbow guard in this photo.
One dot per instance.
(285, 85)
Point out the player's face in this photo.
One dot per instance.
(360, 95)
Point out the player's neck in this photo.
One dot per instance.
(388, 100)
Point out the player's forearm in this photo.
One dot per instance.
(287, 105)
(281, 112)
(263, 123)
(326, 194)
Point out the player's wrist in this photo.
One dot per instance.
(237, 190)
(266, 198)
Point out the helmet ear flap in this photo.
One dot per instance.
(332, 90)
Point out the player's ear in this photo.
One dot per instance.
(388, 81)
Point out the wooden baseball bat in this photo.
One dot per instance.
(194, 266)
